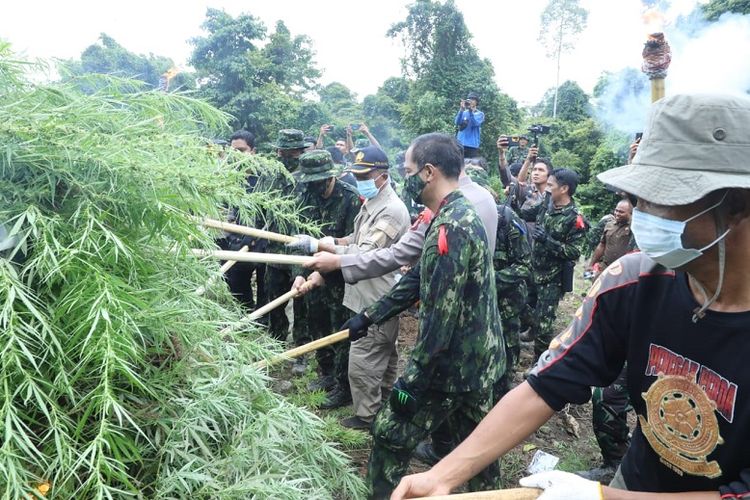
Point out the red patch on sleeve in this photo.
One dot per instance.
(442, 241)
(425, 216)
(580, 223)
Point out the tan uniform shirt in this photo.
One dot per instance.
(381, 221)
(617, 240)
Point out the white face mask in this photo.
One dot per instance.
(661, 239)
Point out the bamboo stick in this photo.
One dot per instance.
(510, 494)
(248, 231)
(263, 258)
(304, 349)
(657, 89)
(262, 311)
(226, 267)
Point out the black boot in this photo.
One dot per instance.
(337, 398)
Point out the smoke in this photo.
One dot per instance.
(707, 57)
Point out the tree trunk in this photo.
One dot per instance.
(557, 79)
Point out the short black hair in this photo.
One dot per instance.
(336, 154)
(246, 136)
(440, 150)
(566, 177)
(548, 163)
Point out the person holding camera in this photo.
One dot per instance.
(469, 122)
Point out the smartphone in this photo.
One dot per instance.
(354, 126)
(638, 136)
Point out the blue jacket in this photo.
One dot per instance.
(469, 136)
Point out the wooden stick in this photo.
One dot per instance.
(304, 349)
(226, 267)
(248, 231)
(263, 258)
(262, 311)
(511, 494)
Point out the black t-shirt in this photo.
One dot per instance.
(688, 382)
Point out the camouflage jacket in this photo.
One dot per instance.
(516, 154)
(278, 185)
(512, 249)
(336, 213)
(460, 345)
(595, 234)
(566, 231)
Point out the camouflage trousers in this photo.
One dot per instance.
(323, 314)
(511, 301)
(278, 281)
(547, 299)
(396, 436)
(610, 418)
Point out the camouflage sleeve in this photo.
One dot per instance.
(398, 299)
(530, 213)
(570, 248)
(448, 272)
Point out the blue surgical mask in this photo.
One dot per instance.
(661, 239)
(367, 188)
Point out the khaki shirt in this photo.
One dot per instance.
(381, 221)
(618, 240)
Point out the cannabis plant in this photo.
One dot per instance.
(114, 381)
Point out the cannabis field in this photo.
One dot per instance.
(114, 380)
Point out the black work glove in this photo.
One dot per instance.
(539, 234)
(357, 326)
(402, 399)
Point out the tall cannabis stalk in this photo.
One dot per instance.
(113, 379)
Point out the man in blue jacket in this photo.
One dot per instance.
(469, 122)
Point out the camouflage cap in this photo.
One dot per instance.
(316, 166)
(290, 138)
(361, 143)
(366, 159)
(693, 145)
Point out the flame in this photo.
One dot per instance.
(171, 72)
(654, 20)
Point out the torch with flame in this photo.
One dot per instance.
(656, 53)
(167, 77)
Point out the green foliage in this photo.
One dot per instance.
(116, 382)
(715, 8)
(107, 57)
(443, 66)
(572, 103)
(258, 79)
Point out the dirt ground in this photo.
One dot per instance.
(567, 435)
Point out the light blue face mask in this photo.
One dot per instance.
(661, 239)
(367, 188)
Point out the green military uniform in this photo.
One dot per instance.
(516, 154)
(323, 307)
(566, 231)
(595, 234)
(278, 278)
(459, 352)
(511, 263)
(610, 407)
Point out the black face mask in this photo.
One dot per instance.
(317, 188)
(290, 163)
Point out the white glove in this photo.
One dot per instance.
(559, 485)
(304, 243)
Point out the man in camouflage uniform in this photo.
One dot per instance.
(334, 205)
(518, 153)
(558, 236)
(595, 234)
(278, 279)
(511, 263)
(458, 354)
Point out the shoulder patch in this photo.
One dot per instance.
(580, 223)
(442, 241)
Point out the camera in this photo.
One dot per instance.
(638, 136)
(512, 140)
(537, 129)
(354, 126)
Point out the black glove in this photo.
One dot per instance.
(357, 326)
(539, 234)
(403, 400)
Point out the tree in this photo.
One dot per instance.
(107, 57)
(257, 78)
(715, 8)
(572, 102)
(443, 66)
(561, 21)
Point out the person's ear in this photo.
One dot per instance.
(738, 205)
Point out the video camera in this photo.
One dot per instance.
(536, 130)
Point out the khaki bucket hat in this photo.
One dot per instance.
(693, 145)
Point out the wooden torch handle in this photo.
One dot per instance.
(248, 231)
(304, 349)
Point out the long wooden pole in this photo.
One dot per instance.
(248, 231)
(262, 311)
(304, 349)
(226, 267)
(511, 494)
(262, 258)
